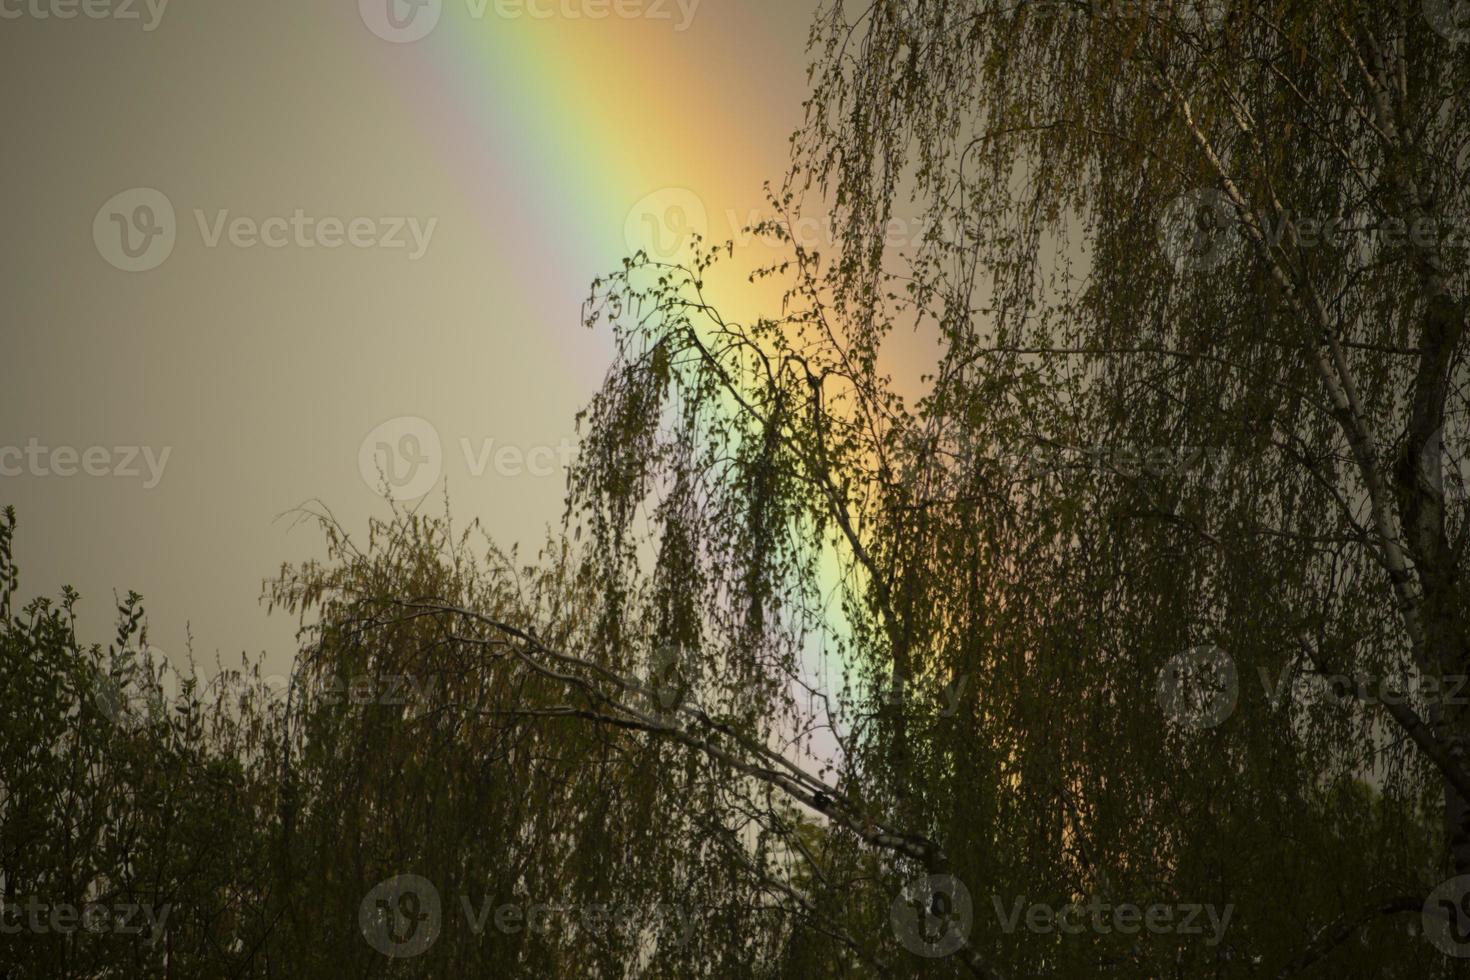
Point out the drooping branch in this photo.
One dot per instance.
(701, 733)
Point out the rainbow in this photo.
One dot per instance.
(563, 128)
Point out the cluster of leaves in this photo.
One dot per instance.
(255, 820)
(116, 795)
(1314, 383)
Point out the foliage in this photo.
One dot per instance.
(1197, 279)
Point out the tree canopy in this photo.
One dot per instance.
(1131, 645)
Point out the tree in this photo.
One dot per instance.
(1310, 329)
(1304, 339)
(1131, 646)
(1312, 324)
(131, 821)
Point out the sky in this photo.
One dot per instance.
(261, 253)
